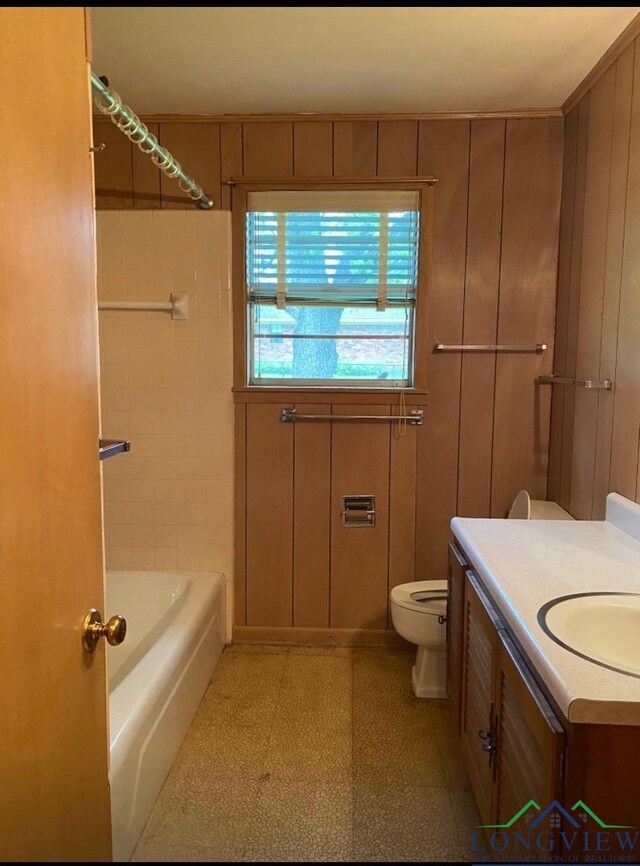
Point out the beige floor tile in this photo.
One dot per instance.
(195, 812)
(382, 670)
(317, 678)
(454, 771)
(399, 761)
(255, 649)
(399, 822)
(296, 754)
(159, 852)
(311, 729)
(323, 651)
(259, 671)
(397, 737)
(301, 821)
(217, 753)
(243, 691)
(466, 818)
(314, 753)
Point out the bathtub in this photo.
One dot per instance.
(157, 677)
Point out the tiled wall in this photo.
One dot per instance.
(166, 386)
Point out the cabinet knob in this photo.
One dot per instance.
(489, 747)
(484, 735)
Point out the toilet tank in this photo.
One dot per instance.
(526, 508)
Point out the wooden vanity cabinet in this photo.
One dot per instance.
(516, 744)
(528, 738)
(511, 739)
(480, 653)
(458, 566)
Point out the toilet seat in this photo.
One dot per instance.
(423, 596)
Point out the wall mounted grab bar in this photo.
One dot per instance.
(415, 417)
(178, 306)
(538, 348)
(587, 384)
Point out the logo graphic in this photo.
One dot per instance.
(556, 812)
(537, 831)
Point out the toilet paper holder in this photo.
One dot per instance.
(358, 511)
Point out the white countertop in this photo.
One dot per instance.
(525, 563)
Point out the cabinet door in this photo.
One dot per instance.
(529, 738)
(455, 613)
(480, 628)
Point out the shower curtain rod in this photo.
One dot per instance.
(109, 102)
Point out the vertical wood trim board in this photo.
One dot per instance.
(240, 515)
(199, 155)
(598, 449)
(231, 161)
(481, 295)
(313, 149)
(113, 169)
(443, 153)
(613, 275)
(269, 510)
(146, 177)
(311, 522)
(562, 303)
(594, 251)
(397, 148)
(626, 412)
(528, 276)
(267, 149)
(574, 252)
(402, 504)
(359, 557)
(355, 148)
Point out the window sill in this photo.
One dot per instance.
(372, 396)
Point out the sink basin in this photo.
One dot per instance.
(602, 627)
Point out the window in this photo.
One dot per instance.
(331, 286)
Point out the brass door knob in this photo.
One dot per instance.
(93, 629)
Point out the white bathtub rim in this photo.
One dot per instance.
(154, 720)
(127, 703)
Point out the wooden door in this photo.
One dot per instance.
(54, 795)
(529, 738)
(455, 614)
(477, 719)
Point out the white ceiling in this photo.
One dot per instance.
(240, 60)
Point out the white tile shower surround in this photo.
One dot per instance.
(166, 386)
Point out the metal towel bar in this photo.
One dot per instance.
(415, 417)
(587, 384)
(538, 348)
(178, 306)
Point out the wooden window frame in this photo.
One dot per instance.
(245, 393)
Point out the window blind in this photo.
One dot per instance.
(334, 248)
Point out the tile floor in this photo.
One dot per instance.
(313, 754)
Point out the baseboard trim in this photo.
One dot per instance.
(349, 637)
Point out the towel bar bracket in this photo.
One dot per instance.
(585, 384)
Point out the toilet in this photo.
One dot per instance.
(419, 615)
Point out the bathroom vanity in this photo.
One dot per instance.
(538, 719)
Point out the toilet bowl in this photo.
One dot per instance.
(419, 613)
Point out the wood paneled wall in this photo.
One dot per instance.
(595, 438)
(495, 242)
